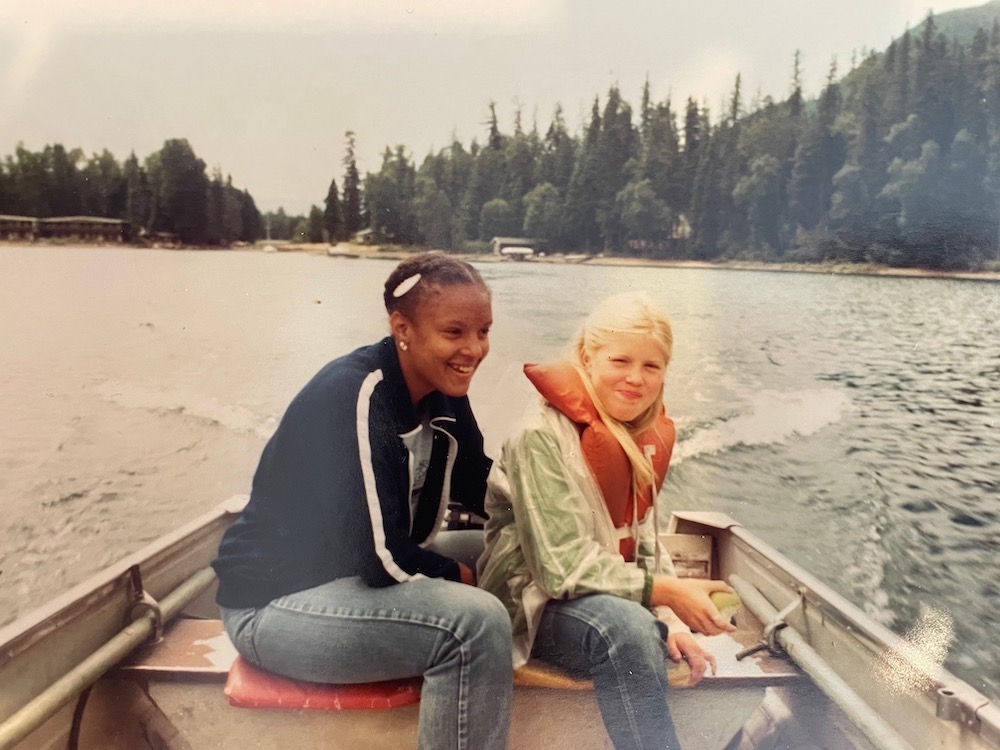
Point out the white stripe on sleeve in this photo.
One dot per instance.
(368, 475)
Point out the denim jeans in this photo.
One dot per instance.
(456, 636)
(621, 646)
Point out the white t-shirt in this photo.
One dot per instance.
(419, 444)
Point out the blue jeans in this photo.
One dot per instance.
(621, 646)
(456, 636)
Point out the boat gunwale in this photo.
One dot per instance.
(949, 693)
(24, 632)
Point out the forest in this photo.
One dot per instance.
(169, 192)
(897, 163)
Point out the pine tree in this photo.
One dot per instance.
(695, 129)
(558, 154)
(332, 220)
(583, 193)
(138, 197)
(820, 154)
(351, 206)
(316, 220)
(617, 147)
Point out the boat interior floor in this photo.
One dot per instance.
(172, 695)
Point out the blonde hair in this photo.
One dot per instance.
(626, 313)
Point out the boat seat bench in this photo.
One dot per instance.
(195, 649)
(178, 683)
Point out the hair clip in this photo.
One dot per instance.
(405, 285)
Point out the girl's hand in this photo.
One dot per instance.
(684, 646)
(688, 598)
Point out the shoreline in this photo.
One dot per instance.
(398, 252)
(846, 269)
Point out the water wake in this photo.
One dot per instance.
(773, 417)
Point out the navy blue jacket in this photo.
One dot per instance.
(330, 496)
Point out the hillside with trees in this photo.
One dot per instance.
(897, 162)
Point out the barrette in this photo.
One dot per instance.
(405, 285)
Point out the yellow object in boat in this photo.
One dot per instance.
(728, 603)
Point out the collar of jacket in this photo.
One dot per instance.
(440, 407)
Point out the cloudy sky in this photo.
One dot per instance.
(265, 90)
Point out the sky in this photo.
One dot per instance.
(265, 90)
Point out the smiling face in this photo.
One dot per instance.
(442, 343)
(627, 373)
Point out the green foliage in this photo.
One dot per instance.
(169, 192)
(497, 219)
(351, 206)
(895, 162)
(643, 215)
(332, 220)
(389, 196)
(435, 222)
(280, 226)
(315, 231)
(543, 212)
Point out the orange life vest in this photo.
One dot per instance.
(561, 385)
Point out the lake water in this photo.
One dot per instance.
(852, 422)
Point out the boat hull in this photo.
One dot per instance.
(142, 700)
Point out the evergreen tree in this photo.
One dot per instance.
(214, 229)
(332, 220)
(759, 194)
(644, 216)
(558, 154)
(661, 162)
(932, 103)
(103, 190)
(543, 216)
(520, 153)
(488, 178)
(389, 195)
(695, 129)
(138, 197)
(180, 191)
(795, 97)
(435, 222)
(315, 232)
(818, 157)
(898, 62)
(351, 207)
(617, 147)
(64, 180)
(30, 178)
(251, 221)
(707, 202)
(583, 194)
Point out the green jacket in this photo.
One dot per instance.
(549, 535)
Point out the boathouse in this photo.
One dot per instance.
(517, 248)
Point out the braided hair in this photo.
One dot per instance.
(421, 276)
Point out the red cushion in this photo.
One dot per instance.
(250, 687)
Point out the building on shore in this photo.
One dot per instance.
(18, 227)
(82, 228)
(517, 248)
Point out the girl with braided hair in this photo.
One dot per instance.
(335, 571)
